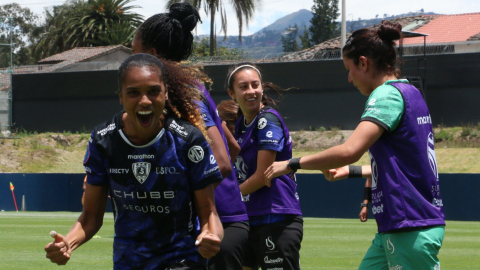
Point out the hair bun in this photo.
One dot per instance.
(186, 14)
(389, 31)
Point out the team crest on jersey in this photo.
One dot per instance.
(195, 153)
(262, 123)
(141, 170)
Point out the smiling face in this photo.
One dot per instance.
(247, 91)
(143, 97)
(357, 74)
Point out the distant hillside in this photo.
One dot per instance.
(301, 18)
(267, 40)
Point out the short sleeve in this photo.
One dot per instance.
(94, 165)
(270, 133)
(384, 107)
(202, 168)
(205, 112)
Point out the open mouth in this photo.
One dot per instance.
(145, 118)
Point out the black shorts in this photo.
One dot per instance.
(186, 265)
(275, 245)
(230, 256)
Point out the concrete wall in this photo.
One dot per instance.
(320, 94)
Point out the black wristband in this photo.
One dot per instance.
(367, 194)
(294, 164)
(354, 171)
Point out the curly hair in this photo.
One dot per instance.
(180, 84)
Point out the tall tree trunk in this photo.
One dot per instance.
(212, 33)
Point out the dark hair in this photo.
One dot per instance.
(265, 85)
(170, 33)
(228, 112)
(179, 82)
(376, 44)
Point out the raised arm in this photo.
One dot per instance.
(211, 235)
(84, 228)
(351, 151)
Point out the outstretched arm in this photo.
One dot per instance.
(344, 172)
(211, 235)
(351, 151)
(83, 229)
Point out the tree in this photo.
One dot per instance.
(305, 39)
(95, 18)
(244, 10)
(376, 16)
(323, 26)
(289, 39)
(23, 22)
(202, 48)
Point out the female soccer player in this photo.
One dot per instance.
(168, 35)
(155, 162)
(396, 129)
(276, 224)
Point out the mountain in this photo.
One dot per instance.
(301, 18)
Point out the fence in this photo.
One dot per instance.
(318, 197)
(5, 103)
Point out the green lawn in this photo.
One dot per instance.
(327, 243)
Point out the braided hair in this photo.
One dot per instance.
(179, 83)
(170, 33)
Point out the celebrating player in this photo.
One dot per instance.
(276, 224)
(168, 35)
(396, 129)
(154, 160)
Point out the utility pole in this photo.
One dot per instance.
(344, 23)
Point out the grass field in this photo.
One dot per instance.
(327, 243)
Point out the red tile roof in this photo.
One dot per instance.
(449, 28)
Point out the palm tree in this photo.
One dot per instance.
(119, 33)
(244, 10)
(96, 18)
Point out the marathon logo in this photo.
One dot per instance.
(144, 156)
(424, 120)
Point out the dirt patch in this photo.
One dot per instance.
(318, 140)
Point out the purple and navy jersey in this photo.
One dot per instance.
(405, 184)
(265, 134)
(152, 187)
(228, 197)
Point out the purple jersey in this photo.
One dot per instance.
(228, 197)
(152, 187)
(281, 197)
(405, 186)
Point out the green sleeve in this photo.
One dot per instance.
(384, 107)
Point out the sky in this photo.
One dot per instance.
(271, 10)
